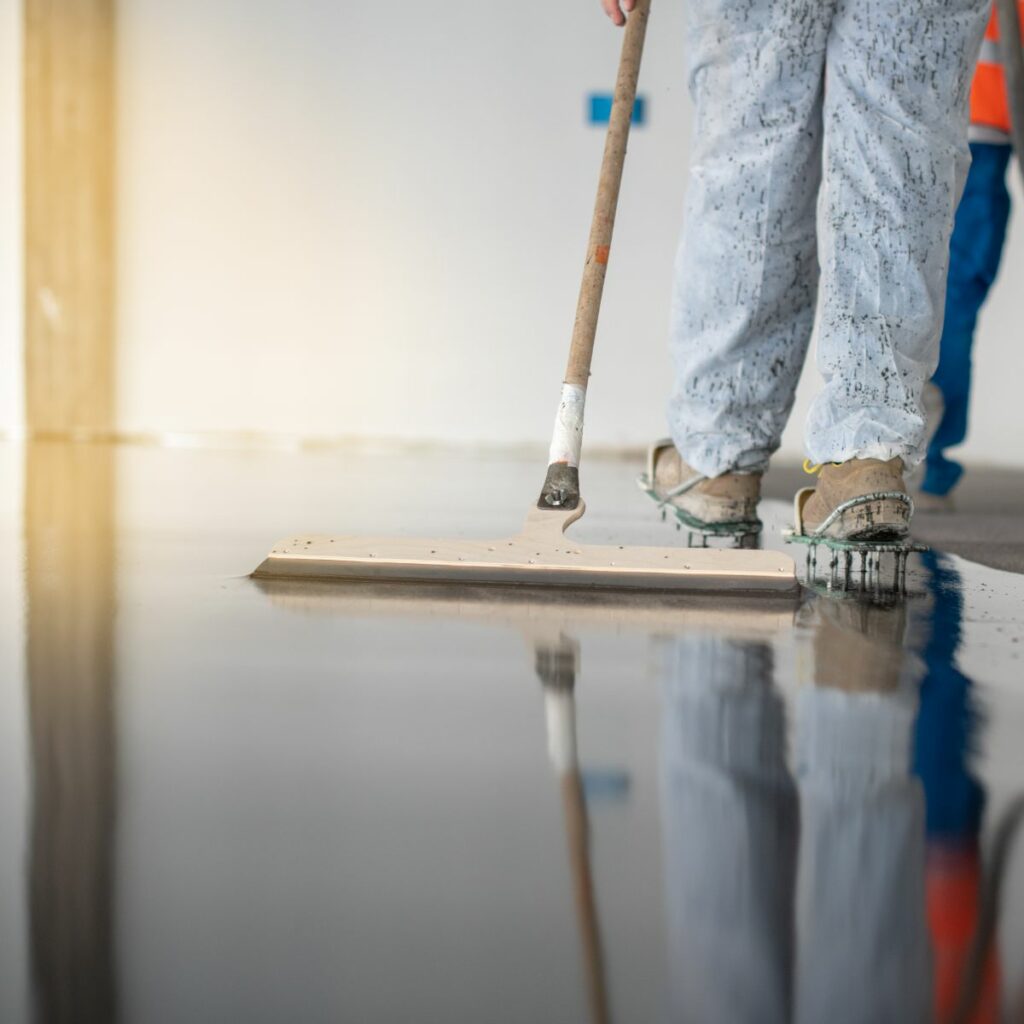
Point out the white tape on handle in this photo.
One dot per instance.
(567, 439)
(560, 718)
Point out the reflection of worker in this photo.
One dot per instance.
(945, 739)
(866, 102)
(793, 900)
(975, 252)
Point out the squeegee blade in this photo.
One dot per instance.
(529, 560)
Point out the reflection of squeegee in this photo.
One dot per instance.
(556, 664)
(577, 834)
(540, 613)
(540, 555)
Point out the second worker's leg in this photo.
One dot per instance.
(975, 252)
(747, 271)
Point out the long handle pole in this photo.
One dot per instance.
(561, 488)
(1011, 53)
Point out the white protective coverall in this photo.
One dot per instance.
(866, 103)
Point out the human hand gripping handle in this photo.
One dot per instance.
(618, 9)
(561, 487)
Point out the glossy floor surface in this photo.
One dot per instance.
(229, 801)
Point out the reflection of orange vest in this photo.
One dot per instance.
(988, 95)
(953, 885)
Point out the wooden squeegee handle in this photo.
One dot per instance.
(598, 248)
(561, 488)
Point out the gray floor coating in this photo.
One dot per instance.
(226, 801)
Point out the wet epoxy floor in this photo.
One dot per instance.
(224, 801)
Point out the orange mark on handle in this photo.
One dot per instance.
(601, 255)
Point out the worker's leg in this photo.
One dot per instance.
(746, 274)
(975, 252)
(897, 79)
(863, 951)
(729, 827)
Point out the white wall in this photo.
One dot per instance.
(342, 219)
(10, 218)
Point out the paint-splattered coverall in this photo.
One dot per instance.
(866, 101)
(976, 249)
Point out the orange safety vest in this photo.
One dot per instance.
(989, 106)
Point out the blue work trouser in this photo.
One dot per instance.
(975, 250)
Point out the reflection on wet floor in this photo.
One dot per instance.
(802, 896)
(339, 802)
(69, 576)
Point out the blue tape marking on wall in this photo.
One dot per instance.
(599, 108)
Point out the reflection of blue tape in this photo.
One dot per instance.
(599, 108)
(605, 784)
